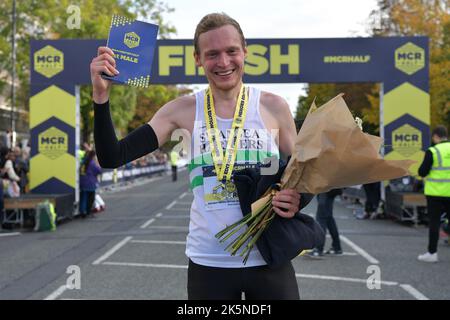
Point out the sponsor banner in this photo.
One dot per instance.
(52, 140)
(393, 60)
(406, 124)
(400, 63)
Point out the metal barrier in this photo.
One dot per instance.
(122, 174)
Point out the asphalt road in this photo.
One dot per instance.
(135, 250)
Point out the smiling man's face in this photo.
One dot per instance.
(222, 55)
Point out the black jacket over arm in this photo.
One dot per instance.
(284, 238)
(426, 165)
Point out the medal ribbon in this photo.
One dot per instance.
(225, 170)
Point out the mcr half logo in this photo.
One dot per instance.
(48, 61)
(407, 140)
(409, 58)
(53, 143)
(131, 40)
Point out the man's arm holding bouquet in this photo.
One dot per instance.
(287, 201)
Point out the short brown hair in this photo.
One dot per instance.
(440, 131)
(213, 21)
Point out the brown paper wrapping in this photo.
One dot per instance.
(331, 152)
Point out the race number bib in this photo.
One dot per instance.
(218, 195)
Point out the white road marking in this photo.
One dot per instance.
(171, 205)
(177, 216)
(182, 195)
(181, 203)
(178, 209)
(169, 227)
(359, 250)
(10, 234)
(414, 292)
(149, 222)
(316, 276)
(55, 294)
(344, 253)
(146, 265)
(112, 250)
(159, 241)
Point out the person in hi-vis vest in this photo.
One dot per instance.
(173, 164)
(436, 170)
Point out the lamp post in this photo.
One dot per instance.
(13, 75)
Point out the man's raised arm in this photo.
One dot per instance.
(111, 152)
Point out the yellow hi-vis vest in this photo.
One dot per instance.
(173, 158)
(437, 182)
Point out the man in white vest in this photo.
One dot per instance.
(221, 110)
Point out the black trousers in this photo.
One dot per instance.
(373, 196)
(87, 199)
(257, 283)
(436, 207)
(174, 173)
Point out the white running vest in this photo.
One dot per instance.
(207, 217)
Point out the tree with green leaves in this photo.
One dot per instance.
(398, 18)
(47, 19)
(356, 96)
(429, 18)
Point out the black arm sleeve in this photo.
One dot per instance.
(427, 162)
(112, 153)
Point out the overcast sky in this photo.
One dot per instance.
(278, 19)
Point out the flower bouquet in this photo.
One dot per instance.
(331, 151)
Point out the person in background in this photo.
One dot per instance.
(82, 152)
(3, 153)
(373, 196)
(435, 168)
(173, 164)
(81, 159)
(21, 166)
(88, 183)
(13, 189)
(324, 216)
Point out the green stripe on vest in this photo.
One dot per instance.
(242, 155)
(196, 182)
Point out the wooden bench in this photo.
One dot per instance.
(405, 205)
(14, 207)
(414, 199)
(25, 203)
